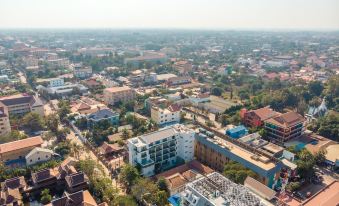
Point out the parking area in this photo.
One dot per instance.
(325, 177)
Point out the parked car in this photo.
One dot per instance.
(299, 195)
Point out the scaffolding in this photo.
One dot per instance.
(216, 185)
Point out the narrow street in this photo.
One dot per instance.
(87, 153)
(22, 78)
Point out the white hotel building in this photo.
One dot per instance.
(162, 149)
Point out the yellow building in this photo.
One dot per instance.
(5, 127)
(115, 94)
(18, 149)
(20, 104)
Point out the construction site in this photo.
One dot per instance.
(215, 189)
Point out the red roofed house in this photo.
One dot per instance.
(256, 118)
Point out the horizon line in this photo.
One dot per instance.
(178, 28)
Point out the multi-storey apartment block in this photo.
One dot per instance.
(162, 149)
(5, 127)
(166, 115)
(81, 71)
(20, 104)
(285, 127)
(115, 94)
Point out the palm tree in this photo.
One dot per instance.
(76, 149)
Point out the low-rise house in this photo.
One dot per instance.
(11, 190)
(44, 178)
(199, 98)
(21, 104)
(237, 132)
(103, 115)
(5, 127)
(179, 176)
(81, 198)
(63, 91)
(38, 155)
(256, 118)
(108, 150)
(86, 105)
(93, 83)
(66, 168)
(76, 182)
(178, 80)
(14, 152)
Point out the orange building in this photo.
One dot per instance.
(18, 149)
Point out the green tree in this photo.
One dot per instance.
(64, 109)
(125, 200)
(63, 148)
(52, 123)
(45, 196)
(327, 126)
(320, 157)
(305, 164)
(161, 198)
(33, 122)
(293, 186)
(162, 184)
(125, 134)
(237, 173)
(217, 91)
(129, 175)
(12, 136)
(144, 186)
(87, 166)
(316, 88)
(224, 119)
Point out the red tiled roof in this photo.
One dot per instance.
(20, 144)
(265, 113)
(174, 108)
(287, 119)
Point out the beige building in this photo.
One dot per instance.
(20, 104)
(167, 115)
(5, 127)
(115, 94)
(38, 155)
(18, 149)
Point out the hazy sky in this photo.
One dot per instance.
(199, 14)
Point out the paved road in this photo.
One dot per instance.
(22, 78)
(79, 139)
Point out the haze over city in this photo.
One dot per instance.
(182, 14)
(169, 102)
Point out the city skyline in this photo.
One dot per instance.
(188, 14)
